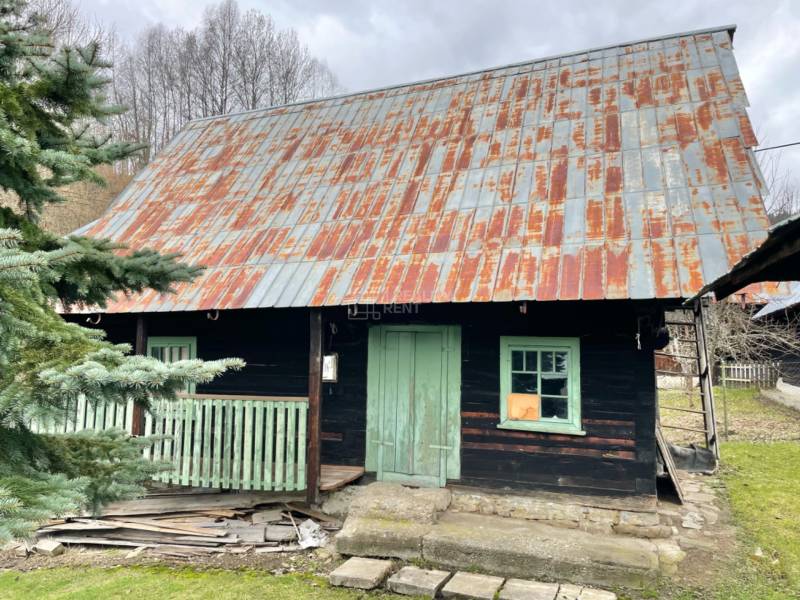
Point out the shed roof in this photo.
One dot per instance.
(783, 302)
(616, 173)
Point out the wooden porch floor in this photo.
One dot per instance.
(334, 477)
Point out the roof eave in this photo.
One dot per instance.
(776, 259)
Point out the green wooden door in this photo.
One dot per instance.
(414, 380)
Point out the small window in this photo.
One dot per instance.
(173, 349)
(540, 384)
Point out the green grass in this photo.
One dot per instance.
(761, 472)
(166, 583)
(763, 481)
(763, 485)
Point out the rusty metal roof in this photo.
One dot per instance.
(620, 172)
(776, 259)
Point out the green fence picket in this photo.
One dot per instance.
(232, 442)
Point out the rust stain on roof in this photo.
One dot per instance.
(621, 172)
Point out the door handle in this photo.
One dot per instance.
(441, 447)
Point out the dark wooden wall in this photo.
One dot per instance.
(790, 361)
(617, 385)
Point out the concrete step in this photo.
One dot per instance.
(524, 549)
(512, 548)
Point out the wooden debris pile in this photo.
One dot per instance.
(184, 525)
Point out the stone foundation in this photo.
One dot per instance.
(586, 539)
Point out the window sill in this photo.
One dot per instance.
(542, 427)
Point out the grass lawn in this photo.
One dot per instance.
(763, 481)
(763, 484)
(761, 472)
(165, 583)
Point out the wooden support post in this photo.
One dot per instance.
(140, 347)
(724, 399)
(706, 384)
(314, 405)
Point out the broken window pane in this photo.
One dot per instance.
(524, 383)
(556, 386)
(547, 362)
(554, 408)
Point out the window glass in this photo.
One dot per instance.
(547, 362)
(539, 384)
(554, 386)
(517, 360)
(554, 408)
(560, 362)
(524, 383)
(173, 349)
(531, 361)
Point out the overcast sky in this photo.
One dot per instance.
(373, 43)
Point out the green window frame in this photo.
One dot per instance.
(535, 365)
(172, 349)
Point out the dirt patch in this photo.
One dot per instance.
(712, 551)
(751, 417)
(319, 562)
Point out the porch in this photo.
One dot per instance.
(232, 442)
(230, 436)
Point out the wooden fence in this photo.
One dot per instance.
(88, 415)
(212, 440)
(231, 442)
(748, 375)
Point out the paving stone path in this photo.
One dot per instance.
(412, 581)
(361, 573)
(367, 574)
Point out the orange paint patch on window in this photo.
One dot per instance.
(523, 407)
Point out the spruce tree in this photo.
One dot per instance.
(52, 110)
(50, 101)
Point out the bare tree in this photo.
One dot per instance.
(218, 33)
(63, 22)
(734, 335)
(232, 61)
(783, 190)
(254, 52)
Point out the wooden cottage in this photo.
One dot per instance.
(455, 281)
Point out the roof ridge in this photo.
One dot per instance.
(731, 28)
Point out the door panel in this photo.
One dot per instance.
(396, 401)
(413, 418)
(428, 405)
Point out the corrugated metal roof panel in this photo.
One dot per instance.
(620, 172)
(790, 299)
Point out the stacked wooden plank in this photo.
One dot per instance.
(190, 524)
